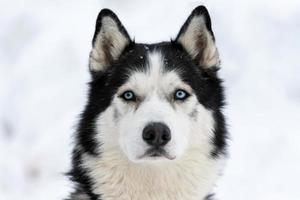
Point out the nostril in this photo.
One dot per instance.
(166, 136)
(149, 135)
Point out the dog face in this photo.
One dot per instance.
(154, 102)
(155, 110)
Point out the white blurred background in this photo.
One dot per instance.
(44, 47)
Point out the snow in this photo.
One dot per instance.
(44, 48)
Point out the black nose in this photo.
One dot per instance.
(156, 134)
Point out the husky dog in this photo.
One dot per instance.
(153, 127)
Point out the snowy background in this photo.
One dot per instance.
(44, 47)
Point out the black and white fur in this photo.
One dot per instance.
(111, 161)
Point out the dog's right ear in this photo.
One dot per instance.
(109, 41)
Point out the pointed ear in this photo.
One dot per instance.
(110, 39)
(197, 38)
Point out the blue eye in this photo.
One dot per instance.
(180, 95)
(128, 96)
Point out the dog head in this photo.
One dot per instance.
(154, 101)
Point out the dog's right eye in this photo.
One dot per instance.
(128, 96)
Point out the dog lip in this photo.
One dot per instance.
(157, 152)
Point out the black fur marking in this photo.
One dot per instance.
(219, 141)
(79, 176)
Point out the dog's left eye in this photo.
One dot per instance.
(181, 95)
(128, 96)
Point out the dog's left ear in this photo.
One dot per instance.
(197, 38)
(109, 41)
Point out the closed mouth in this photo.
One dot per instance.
(157, 153)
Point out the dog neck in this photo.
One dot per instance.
(190, 178)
